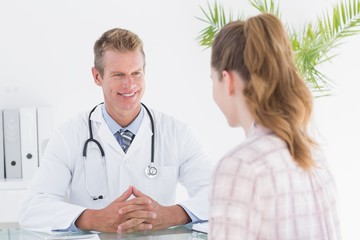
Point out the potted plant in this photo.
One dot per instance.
(312, 46)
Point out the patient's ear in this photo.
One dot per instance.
(228, 78)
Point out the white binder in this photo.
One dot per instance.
(45, 128)
(12, 145)
(2, 156)
(29, 144)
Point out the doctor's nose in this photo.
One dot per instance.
(128, 82)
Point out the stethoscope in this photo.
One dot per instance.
(150, 171)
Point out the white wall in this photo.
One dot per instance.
(46, 56)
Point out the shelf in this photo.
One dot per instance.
(14, 184)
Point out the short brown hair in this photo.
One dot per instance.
(118, 39)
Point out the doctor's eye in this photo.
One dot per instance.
(137, 74)
(120, 75)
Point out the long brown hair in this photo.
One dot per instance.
(259, 50)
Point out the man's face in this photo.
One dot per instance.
(123, 81)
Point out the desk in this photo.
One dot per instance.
(174, 233)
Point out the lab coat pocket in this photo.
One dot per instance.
(162, 187)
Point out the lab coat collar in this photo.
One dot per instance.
(143, 135)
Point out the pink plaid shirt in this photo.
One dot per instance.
(259, 192)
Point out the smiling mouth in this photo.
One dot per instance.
(127, 94)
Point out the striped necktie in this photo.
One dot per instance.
(124, 137)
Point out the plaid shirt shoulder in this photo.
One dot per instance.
(258, 192)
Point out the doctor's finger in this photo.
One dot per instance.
(137, 201)
(146, 215)
(137, 193)
(125, 195)
(130, 225)
(132, 208)
(140, 227)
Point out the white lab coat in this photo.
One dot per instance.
(58, 195)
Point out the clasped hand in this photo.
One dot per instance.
(129, 215)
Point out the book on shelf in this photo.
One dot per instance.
(2, 156)
(45, 127)
(12, 147)
(29, 143)
(24, 134)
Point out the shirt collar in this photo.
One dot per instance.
(115, 127)
(256, 130)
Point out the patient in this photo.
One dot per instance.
(274, 185)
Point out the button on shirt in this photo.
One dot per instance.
(259, 192)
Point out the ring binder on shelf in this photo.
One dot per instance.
(12, 145)
(24, 134)
(29, 144)
(2, 156)
(45, 127)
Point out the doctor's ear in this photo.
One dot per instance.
(96, 76)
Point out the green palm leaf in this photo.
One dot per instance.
(314, 45)
(215, 18)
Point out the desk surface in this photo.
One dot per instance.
(175, 233)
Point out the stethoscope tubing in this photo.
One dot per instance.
(150, 171)
(153, 134)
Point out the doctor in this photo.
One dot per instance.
(116, 168)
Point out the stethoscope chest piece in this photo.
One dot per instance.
(151, 171)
